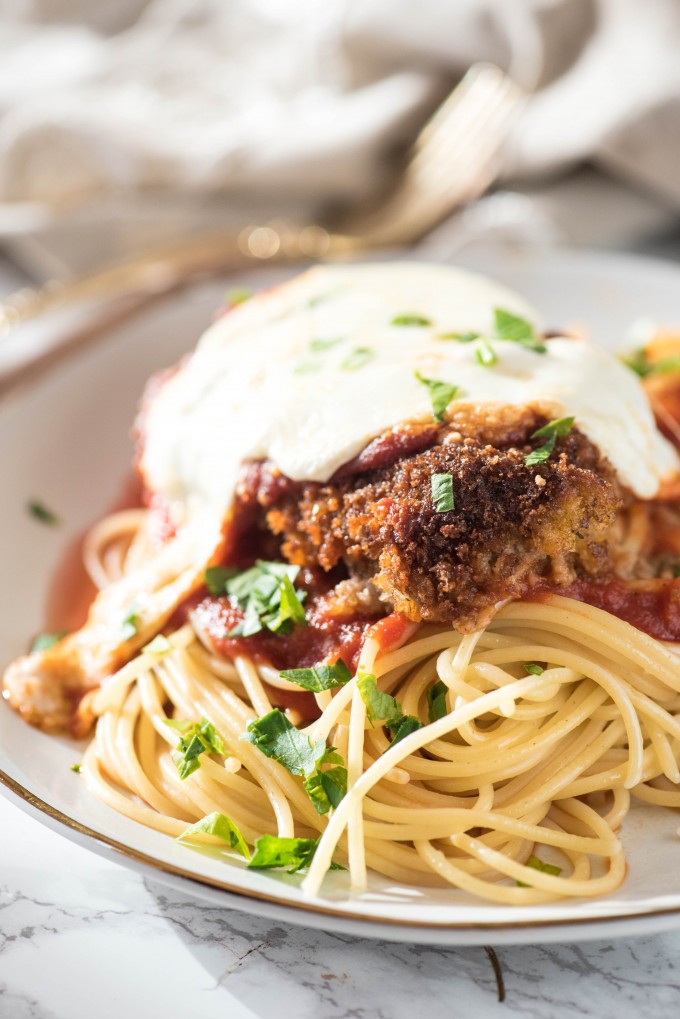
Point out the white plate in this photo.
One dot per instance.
(65, 440)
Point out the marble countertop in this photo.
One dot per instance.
(82, 937)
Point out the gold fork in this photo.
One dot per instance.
(454, 159)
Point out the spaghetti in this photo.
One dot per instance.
(524, 766)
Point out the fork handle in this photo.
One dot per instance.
(166, 270)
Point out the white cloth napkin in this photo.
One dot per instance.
(125, 123)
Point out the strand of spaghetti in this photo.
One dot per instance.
(148, 687)
(582, 748)
(125, 738)
(554, 679)
(441, 828)
(113, 691)
(613, 777)
(615, 689)
(485, 796)
(428, 645)
(661, 797)
(420, 678)
(118, 766)
(151, 764)
(167, 778)
(639, 649)
(340, 702)
(414, 794)
(117, 527)
(648, 709)
(355, 767)
(451, 668)
(393, 757)
(619, 808)
(664, 753)
(103, 790)
(221, 667)
(250, 808)
(463, 818)
(528, 747)
(567, 765)
(253, 685)
(453, 873)
(144, 544)
(540, 879)
(397, 775)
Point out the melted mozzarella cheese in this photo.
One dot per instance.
(305, 375)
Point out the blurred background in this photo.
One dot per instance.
(129, 124)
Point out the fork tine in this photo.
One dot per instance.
(481, 89)
(473, 148)
(454, 158)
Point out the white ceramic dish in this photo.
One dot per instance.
(65, 440)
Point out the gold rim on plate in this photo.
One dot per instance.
(163, 867)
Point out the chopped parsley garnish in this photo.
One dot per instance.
(546, 868)
(196, 738)
(237, 295)
(436, 701)
(460, 337)
(267, 597)
(278, 739)
(294, 854)
(676, 571)
(639, 362)
(442, 492)
(160, 645)
(290, 607)
(533, 669)
(382, 707)
(410, 319)
(485, 354)
(314, 302)
(43, 513)
(319, 346)
(131, 625)
(549, 432)
(379, 706)
(441, 394)
(403, 727)
(216, 578)
(76, 768)
(517, 330)
(222, 827)
(357, 359)
(44, 641)
(320, 677)
(327, 785)
(306, 367)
